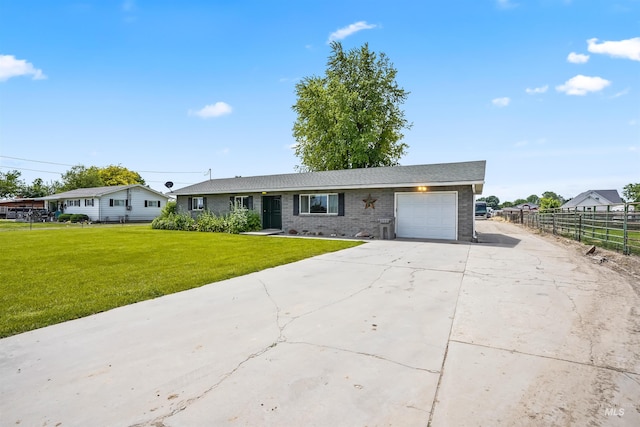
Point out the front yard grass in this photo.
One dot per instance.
(49, 276)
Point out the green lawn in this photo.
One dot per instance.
(49, 276)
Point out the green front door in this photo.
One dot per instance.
(271, 212)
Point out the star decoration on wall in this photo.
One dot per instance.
(369, 202)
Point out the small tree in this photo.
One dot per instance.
(547, 203)
(631, 192)
(350, 118)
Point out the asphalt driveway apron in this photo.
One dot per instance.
(388, 333)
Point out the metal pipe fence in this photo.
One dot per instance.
(614, 227)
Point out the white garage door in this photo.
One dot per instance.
(427, 215)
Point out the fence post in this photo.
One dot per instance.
(606, 223)
(553, 223)
(579, 230)
(625, 231)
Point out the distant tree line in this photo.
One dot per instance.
(77, 177)
(551, 200)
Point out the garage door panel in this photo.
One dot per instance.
(427, 215)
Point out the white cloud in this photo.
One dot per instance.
(212, 110)
(12, 67)
(577, 58)
(521, 143)
(541, 89)
(505, 4)
(501, 102)
(628, 49)
(581, 85)
(621, 93)
(350, 29)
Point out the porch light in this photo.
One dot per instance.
(422, 188)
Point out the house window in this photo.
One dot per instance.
(243, 201)
(152, 203)
(118, 202)
(198, 203)
(88, 202)
(319, 204)
(73, 202)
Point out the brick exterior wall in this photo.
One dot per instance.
(356, 218)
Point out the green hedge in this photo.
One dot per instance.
(239, 220)
(64, 217)
(79, 218)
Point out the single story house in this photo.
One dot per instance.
(594, 200)
(111, 204)
(420, 201)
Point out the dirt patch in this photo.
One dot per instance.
(626, 265)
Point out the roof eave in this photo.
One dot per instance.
(476, 186)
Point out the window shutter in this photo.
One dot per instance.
(250, 203)
(126, 202)
(204, 203)
(146, 203)
(159, 203)
(340, 204)
(232, 202)
(190, 204)
(296, 204)
(110, 202)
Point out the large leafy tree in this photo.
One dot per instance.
(82, 177)
(37, 189)
(119, 175)
(10, 183)
(631, 192)
(351, 117)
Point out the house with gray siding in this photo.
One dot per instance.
(111, 204)
(434, 201)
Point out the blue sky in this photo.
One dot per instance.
(547, 91)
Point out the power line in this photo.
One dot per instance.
(65, 164)
(35, 161)
(31, 170)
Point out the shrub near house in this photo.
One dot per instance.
(238, 220)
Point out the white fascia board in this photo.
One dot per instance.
(337, 187)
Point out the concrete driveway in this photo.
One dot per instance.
(514, 330)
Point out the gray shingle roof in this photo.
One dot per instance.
(83, 193)
(464, 173)
(611, 195)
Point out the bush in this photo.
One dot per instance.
(64, 217)
(78, 218)
(239, 220)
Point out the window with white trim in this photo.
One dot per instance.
(152, 203)
(73, 202)
(241, 201)
(88, 202)
(319, 204)
(119, 202)
(198, 203)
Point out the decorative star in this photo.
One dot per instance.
(369, 202)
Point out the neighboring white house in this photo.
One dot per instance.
(111, 204)
(594, 200)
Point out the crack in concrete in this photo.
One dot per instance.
(183, 405)
(583, 323)
(559, 359)
(362, 353)
(322, 307)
